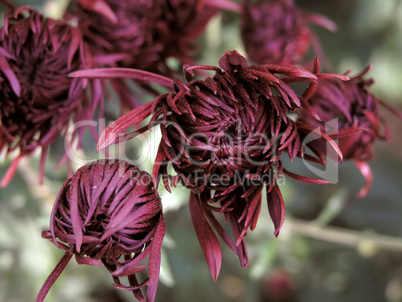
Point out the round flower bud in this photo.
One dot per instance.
(109, 214)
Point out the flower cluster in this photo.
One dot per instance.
(224, 136)
(109, 214)
(39, 100)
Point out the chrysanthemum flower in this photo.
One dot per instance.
(224, 136)
(37, 97)
(109, 214)
(277, 32)
(144, 34)
(350, 107)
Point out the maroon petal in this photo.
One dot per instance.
(130, 270)
(100, 7)
(75, 43)
(74, 197)
(155, 260)
(365, 170)
(325, 76)
(240, 243)
(206, 237)
(345, 132)
(10, 75)
(6, 54)
(10, 172)
(291, 71)
(321, 21)
(110, 134)
(320, 141)
(306, 179)
(129, 73)
(232, 59)
(276, 208)
(224, 4)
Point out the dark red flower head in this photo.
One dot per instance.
(109, 214)
(224, 136)
(349, 107)
(277, 32)
(38, 99)
(142, 34)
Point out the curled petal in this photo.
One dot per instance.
(9, 73)
(107, 211)
(10, 172)
(321, 21)
(111, 133)
(306, 179)
(231, 60)
(365, 170)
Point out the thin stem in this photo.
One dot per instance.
(53, 276)
(342, 236)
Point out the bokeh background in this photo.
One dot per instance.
(333, 246)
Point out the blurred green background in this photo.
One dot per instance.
(333, 246)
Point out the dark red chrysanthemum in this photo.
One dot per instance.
(277, 32)
(224, 136)
(348, 106)
(109, 214)
(37, 97)
(143, 34)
